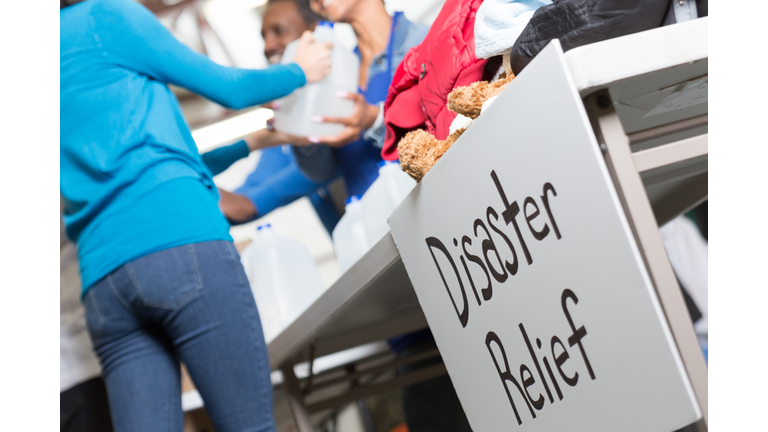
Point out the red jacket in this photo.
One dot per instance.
(444, 61)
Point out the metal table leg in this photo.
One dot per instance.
(296, 399)
(629, 186)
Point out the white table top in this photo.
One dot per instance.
(642, 69)
(373, 300)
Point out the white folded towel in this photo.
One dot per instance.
(499, 23)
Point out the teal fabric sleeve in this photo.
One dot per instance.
(220, 159)
(140, 43)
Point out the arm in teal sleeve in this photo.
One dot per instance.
(220, 159)
(135, 40)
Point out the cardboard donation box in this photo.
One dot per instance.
(528, 273)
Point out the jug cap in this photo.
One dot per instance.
(322, 23)
(261, 227)
(353, 198)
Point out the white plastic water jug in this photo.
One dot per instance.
(319, 99)
(382, 198)
(349, 242)
(283, 278)
(399, 184)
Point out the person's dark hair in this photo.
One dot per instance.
(65, 3)
(307, 14)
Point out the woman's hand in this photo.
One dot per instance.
(269, 137)
(240, 246)
(314, 58)
(362, 118)
(235, 207)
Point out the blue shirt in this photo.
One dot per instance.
(276, 181)
(131, 177)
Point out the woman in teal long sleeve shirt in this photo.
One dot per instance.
(161, 279)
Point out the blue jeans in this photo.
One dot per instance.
(191, 304)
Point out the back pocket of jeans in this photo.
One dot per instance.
(166, 279)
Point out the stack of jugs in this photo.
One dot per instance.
(320, 98)
(283, 278)
(349, 241)
(382, 198)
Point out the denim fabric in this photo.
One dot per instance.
(190, 304)
(405, 35)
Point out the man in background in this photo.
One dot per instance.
(277, 180)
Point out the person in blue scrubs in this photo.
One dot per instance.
(162, 281)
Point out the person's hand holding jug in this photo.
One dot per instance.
(314, 58)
